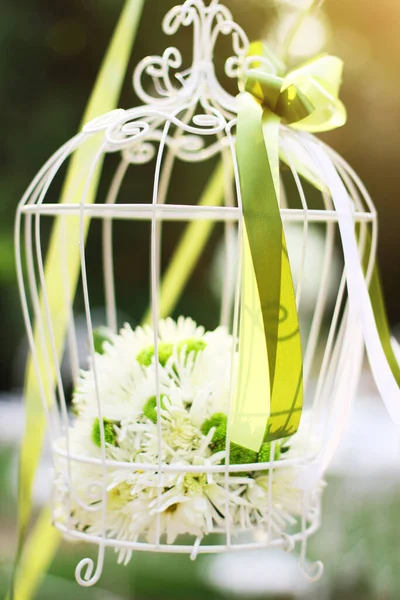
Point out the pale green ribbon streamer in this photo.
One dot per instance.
(382, 323)
(269, 394)
(379, 310)
(189, 249)
(104, 98)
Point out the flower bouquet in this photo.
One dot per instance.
(158, 454)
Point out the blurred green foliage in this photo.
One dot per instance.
(49, 56)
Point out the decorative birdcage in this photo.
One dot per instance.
(106, 489)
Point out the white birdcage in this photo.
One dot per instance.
(191, 118)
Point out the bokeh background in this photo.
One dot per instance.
(49, 56)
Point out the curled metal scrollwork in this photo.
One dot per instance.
(84, 570)
(208, 22)
(135, 132)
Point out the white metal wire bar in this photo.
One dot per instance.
(350, 363)
(270, 489)
(346, 226)
(170, 158)
(170, 212)
(69, 302)
(355, 192)
(173, 468)
(229, 242)
(46, 318)
(346, 168)
(89, 578)
(66, 150)
(315, 570)
(108, 252)
(228, 536)
(227, 276)
(42, 343)
(283, 201)
(155, 311)
(53, 348)
(303, 200)
(165, 178)
(26, 316)
(328, 354)
(321, 302)
(121, 136)
(339, 160)
(355, 196)
(188, 148)
(361, 244)
(322, 379)
(235, 334)
(348, 359)
(330, 398)
(332, 363)
(187, 549)
(333, 369)
(35, 193)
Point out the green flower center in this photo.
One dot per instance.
(194, 483)
(238, 455)
(194, 345)
(165, 350)
(100, 336)
(145, 357)
(264, 454)
(109, 433)
(150, 408)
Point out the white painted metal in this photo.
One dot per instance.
(192, 118)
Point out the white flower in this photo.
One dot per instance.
(183, 329)
(144, 504)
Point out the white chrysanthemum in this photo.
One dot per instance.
(142, 504)
(176, 331)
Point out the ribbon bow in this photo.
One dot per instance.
(305, 98)
(269, 393)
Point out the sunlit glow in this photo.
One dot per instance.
(354, 47)
(298, 4)
(310, 39)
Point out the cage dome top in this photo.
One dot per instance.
(193, 99)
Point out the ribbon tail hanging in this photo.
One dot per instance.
(384, 367)
(294, 154)
(268, 399)
(287, 385)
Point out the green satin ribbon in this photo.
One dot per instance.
(269, 394)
